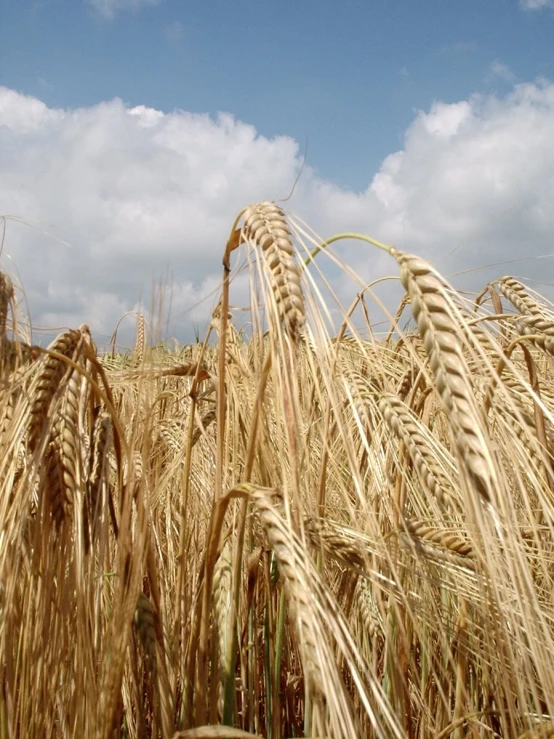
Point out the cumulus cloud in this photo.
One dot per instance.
(108, 8)
(119, 197)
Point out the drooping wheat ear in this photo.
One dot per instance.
(517, 294)
(53, 486)
(406, 426)
(406, 383)
(293, 570)
(362, 391)
(146, 630)
(7, 404)
(172, 433)
(439, 537)
(140, 339)
(343, 545)
(221, 605)
(133, 472)
(539, 329)
(437, 555)
(523, 428)
(314, 613)
(47, 381)
(439, 321)
(518, 391)
(266, 226)
(207, 419)
(485, 339)
(10, 393)
(62, 456)
(13, 405)
(101, 439)
(187, 368)
(536, 321)
(368, 612)
(14, 354)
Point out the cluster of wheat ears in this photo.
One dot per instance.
(287, 530)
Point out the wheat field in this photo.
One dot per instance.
(298, 527)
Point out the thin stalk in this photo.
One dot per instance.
(268, 629)
(348, 235)
(277, 666)
(230, 660)
(221, 400)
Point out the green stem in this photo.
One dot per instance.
(269, 708)
(277, 666)
(348, 235)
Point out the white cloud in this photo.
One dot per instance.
(108, 8)
(536, 4)
(502, 72)
(134, 195)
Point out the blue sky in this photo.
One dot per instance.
(428, 124)
(348, 75)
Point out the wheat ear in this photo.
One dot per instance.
(222, 589)
(535, 322)
(266, 226)
(101, 438)
(517, 294)
(144, 624)
(439, 322)
(47, 382)
(62, 455)
(140, 340)
(405, 425)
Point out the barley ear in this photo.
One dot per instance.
(266, 226)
